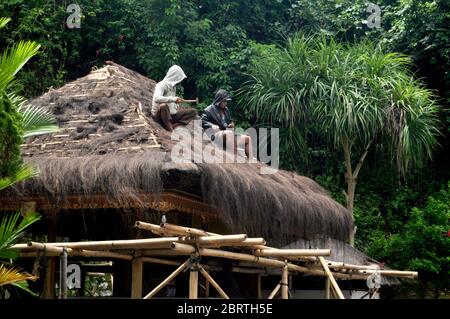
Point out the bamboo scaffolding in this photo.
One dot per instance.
(179, 241)
(213, 283)
(188, 249)
(334, 284)
(167, 280)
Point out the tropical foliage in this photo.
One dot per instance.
(361, 97)
(17, 121)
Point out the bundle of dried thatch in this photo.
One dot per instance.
(109, 145)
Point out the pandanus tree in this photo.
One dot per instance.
(354, 95)
(17, 121)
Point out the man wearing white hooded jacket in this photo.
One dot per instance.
(165, 108)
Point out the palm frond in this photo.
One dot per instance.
(12, 276)
(37, 120)
(4, 22)
(14, 58)
(25, 172)
(11, 230)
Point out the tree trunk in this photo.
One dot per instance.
(351, 177)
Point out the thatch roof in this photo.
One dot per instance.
(108, 146)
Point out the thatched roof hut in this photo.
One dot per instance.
(111, 154)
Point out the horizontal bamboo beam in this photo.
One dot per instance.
(78, 253)
(221, 239)
(292, 252)
(108, 244)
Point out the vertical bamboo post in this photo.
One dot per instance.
(136, 281)
(259, 287)
(193, 282)
(48, 291)
(327, 288)
(63, 275)
(284, 283)
(206, 287)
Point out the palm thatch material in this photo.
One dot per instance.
(108, 144)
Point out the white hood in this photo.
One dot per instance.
(175, 75)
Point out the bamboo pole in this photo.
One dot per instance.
(327, 288)
(80, 253)
(259, 287)
(206, 287)
(167, 280)
(193, 282)
(183, 248)
(136, 280)
(187, 231)
(221, 240)
(274, 292)
(292, 252)
(158, 230)
(63, 275)
(336, 288)
(120, 244)
(213, 283)
(284, 283)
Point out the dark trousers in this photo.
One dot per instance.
(183, 116)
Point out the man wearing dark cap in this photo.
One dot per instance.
(217, 119)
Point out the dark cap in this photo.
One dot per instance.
(220, 96)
